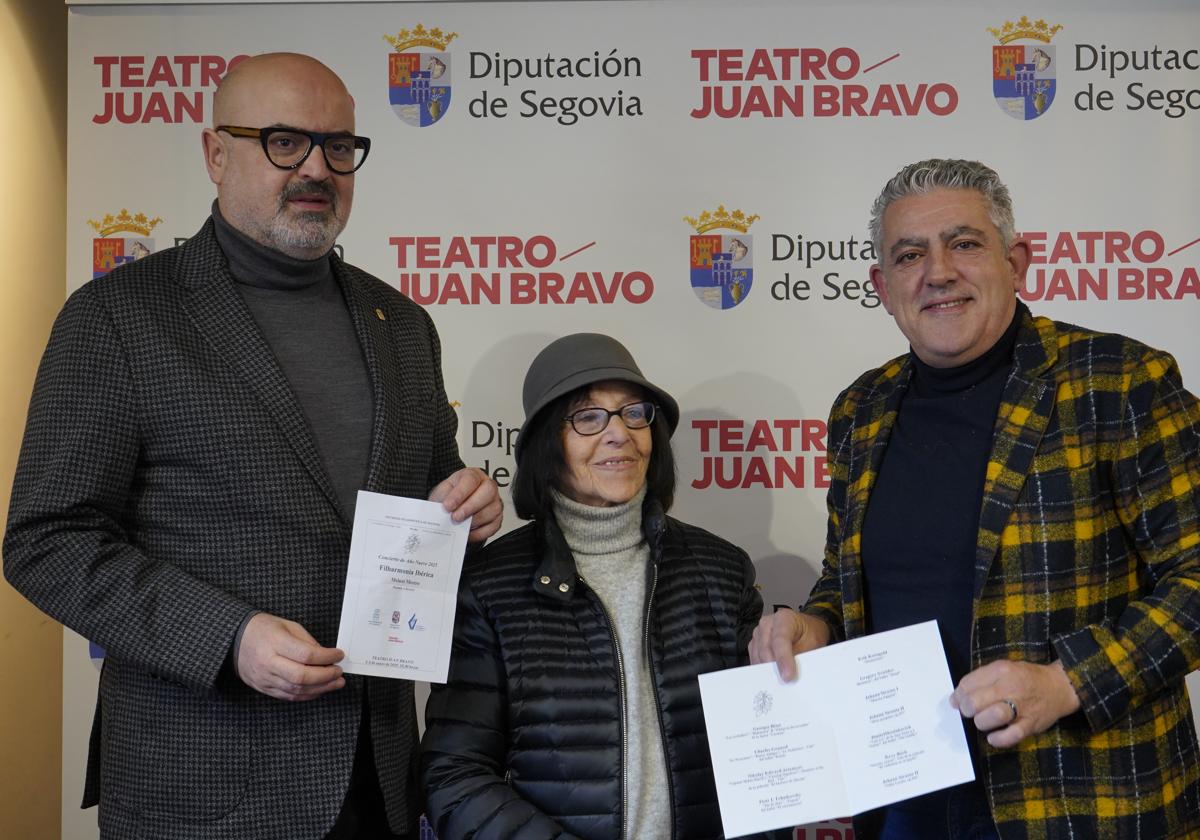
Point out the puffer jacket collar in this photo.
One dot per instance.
(557, 577)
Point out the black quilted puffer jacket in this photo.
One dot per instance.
(526, 739)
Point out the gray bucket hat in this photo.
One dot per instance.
(574, 361)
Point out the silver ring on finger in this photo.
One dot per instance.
(1012, 706)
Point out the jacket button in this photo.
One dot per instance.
(545, 580)
(564, 587)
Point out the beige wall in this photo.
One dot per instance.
(33, 105)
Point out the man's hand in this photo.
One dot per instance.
(781, 635)
(280, 659)
(1013, 700)
(469, 492)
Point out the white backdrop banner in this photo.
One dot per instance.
(693, 178)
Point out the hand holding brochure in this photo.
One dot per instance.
(406, 557)
(867, 723)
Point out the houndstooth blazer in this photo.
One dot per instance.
(1088, 553)
(168, 485)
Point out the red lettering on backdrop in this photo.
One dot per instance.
(425, 252)
(730, 459)
(739, 84)
(781, 64)
(158, 89)
(1095, 247)
(783, 434)
(524, 287)
(1104, 265)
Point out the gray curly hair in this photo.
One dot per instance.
(927, 175)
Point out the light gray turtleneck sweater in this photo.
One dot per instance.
(612, 556)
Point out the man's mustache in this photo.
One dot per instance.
(300, 188)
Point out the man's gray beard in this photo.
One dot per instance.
(309, 232)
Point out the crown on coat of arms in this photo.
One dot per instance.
(125, 223)
(419, 36)
(1038, 30)
(721, 218)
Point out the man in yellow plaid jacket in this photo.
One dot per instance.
(1035, 487)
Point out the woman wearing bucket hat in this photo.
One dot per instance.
(572, 708)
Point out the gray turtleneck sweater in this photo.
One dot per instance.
(300, 309)
(612, 557)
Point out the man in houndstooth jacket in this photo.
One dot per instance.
(1035, 487)
(201, 421)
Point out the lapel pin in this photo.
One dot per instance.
(379, 314)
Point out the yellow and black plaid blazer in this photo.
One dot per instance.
(1088, 552)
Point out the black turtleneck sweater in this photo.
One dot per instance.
(922, 520)
(300, 309)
